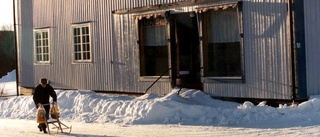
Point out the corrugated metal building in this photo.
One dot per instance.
(261, 49)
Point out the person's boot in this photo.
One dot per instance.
(45, 131)
(44, 128)
(40, 128)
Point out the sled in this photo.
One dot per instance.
(55, 121)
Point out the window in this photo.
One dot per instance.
(153, 46)
(222, 49)
(41, 44)
(81, 43)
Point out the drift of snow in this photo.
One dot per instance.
(190, 107)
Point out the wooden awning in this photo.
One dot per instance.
(149, 15)
(216, 7)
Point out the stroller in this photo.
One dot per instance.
(55, 121)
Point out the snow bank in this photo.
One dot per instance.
(191, 107)
(10, 77)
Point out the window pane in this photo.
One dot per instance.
(37, 43)
(86, 47)
(46, 50)
(223, 49)
(223, 26)
(77, 48)
(45, 42)
(39, 50)
(76, 31)
(46, 57)
(86, 55)
(156, 60)
(77, 56)
(39, 58)
(81, 43)
(83, 39)
(85, 30)
(154, 52)
(44, 34)
(224, 59)
(87, 39)
(75, 40)
(155, 35)
(37, 35)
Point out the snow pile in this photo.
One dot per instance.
(10, 77)
(190, 107)
(8, 84)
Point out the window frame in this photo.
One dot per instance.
(223, 79)
(140, 42)
(42, 61)
(81, 25)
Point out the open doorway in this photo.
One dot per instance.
(185, 51)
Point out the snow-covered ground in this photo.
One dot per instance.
(192, 113)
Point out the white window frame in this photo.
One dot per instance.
(81, 50)
(42, 46)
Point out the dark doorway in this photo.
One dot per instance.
(186, 51)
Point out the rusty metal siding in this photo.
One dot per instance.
(312, 34)
(266, 53)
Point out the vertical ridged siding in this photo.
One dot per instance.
(266, 53)
(102, 74)
(24, 42)
(312, 35)
(128, 4)
(115, 52)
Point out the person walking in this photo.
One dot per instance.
(41, 95)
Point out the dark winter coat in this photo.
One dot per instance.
(42, 95)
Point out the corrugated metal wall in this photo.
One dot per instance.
(126, 54)
(312, 35)
(113, 67)
(24, 42)
(128, 4)
(115, 55)
(266, 53)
